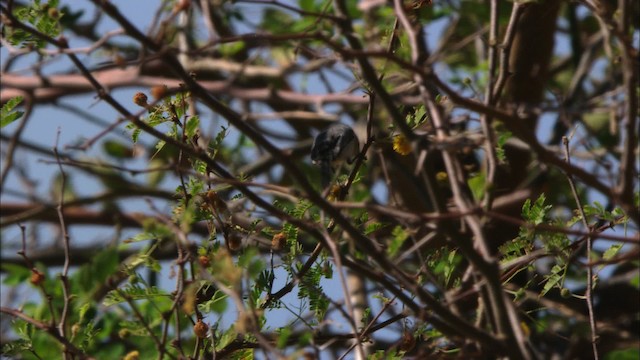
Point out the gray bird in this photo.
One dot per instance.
(332, 147)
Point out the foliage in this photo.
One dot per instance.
(7, 114)
(490, 164)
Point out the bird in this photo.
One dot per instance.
(332, 147)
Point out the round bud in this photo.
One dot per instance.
(334, 192)
(63, 41)
(160, 91)
(140, 99)
(408, 342)
(133, 355)
(401, 145)
(204, 261)
(278, 241)
(75, 329)
(119, 60)
(216, 202)
(36, 277)
(182, 5)
(442, 177)
(53, 13)
(200, 329)
(234, 241)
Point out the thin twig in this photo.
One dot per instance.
(485, 121)
(505, 319)
(65, 244)
(589, 290)
(333, 247)
(505, 47)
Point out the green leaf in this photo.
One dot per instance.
(154, 178)
(217, 142)
(191, 126)
(102, 265)
(283, 337)
(307, 5)
(231, 49)
(516, 248)
(535, 213)
(635, 281)
(626, 354)
(399, 237)
(7, 113)
(553, 279)
(226, 338)
(416, 117)
(301, 208)
(327, 270)
(117, 149)
(598, 124)
(135, 135)
(181, 104)
(133, 292)
(16, 274)
(134, 328)
(311, 290)
(476, 184)
(453, 259)
(292, 233)
(150, 262)
(217, 304)
(89, 334)
(17, 347)
(556, 243)
(251, 262)
(611, 251)
(502, 139)
(83, 311)
(141, 237)
(44, 17)
(276, 21)
(372, 226)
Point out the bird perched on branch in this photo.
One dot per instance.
(333, 147)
